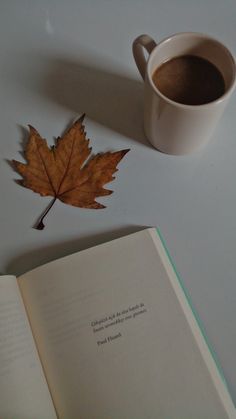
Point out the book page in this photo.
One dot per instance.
(24, 392)
(114, 339)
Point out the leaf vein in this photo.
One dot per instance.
(45, 168)
(67, 167)
(36, 176)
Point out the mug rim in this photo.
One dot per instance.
(183, 105)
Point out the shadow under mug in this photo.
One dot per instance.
(173, 127)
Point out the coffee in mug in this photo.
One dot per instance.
(190, 80)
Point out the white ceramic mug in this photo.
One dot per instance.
(172, 127)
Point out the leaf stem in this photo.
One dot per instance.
(39, 224)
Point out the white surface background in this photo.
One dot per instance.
(61, 58)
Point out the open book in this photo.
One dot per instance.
(106, 333)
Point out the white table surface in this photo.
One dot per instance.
(62, 58)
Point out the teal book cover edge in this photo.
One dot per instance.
(196, 316)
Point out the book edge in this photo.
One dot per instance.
(195, 324)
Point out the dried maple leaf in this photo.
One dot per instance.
(64, 171)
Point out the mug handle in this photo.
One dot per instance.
(143, 41)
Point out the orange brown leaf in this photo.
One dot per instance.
(64, 170)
